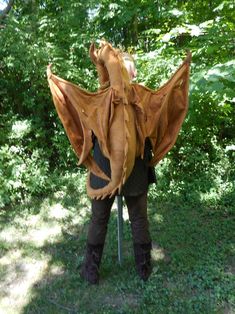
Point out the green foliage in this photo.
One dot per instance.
(24, 169)
(191, 208)
(36, 33)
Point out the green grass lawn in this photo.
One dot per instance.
(42, 243)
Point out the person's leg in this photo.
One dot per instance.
(142, 242)
(96, 238)
(137, 210)
(99, 220)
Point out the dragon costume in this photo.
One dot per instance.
(121, 115)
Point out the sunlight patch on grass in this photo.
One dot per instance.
(11, 256)
(24, 265)
(42, 248)
(47, 233)
(158, 218)
(8, 235)
(37, 236)
(32, 220)
(57, 211)
(158, 253)
(19, 277)
(37, 230)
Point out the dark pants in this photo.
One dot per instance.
(137, 210)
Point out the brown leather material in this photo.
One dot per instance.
(101, 69)
(121, 116)
(143, 263)
(90, 267)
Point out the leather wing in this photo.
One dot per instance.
(82, 113)
(162, 112)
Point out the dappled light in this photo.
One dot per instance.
(25, 264)
(43, 251)
(19, 276)
(158, 253)
(44, 208)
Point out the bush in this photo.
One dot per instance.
(22, 171)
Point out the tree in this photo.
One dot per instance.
(159, 32)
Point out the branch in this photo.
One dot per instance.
(4, 12)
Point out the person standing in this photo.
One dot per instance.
(135, 193)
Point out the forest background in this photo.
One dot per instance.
(35, 156)
(34, 148)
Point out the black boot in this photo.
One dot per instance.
(143, 259)
(90, 267)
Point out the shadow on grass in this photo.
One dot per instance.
(66, 292)
(193, 274)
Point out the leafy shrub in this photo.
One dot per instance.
(22, 171)
(60, 33)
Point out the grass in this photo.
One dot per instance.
(42, 244)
